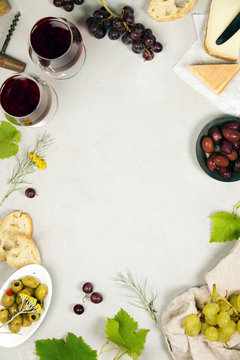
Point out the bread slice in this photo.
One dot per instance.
(23, 253)
(4, 8)
(168, 10)
(15, 223)
(221, 13)
(216, 77)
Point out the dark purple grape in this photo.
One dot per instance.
(148, 55)
(30, 193)
(90, 20)
(147, 32)
(126, 39)
(136, 33)
(114, 34)
(226, 147)
(78, 309)
(137, 46)
(93, 27)
(58, 3)
(68, 5)
(129, 18)
(157, 47)
(215, 134)
(117, 23)
(100, 33)
(140, 27)
(96, 298)
(236, 167)
(107, 14)
(99, 14)
(78, 2)
(149, 40)
(225, 172)
(107, 24)
(128, 10)
(87, 288)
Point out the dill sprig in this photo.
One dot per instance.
(139, 290)
(27, 165)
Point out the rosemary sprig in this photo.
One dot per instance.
(27, 165)
(140, 298)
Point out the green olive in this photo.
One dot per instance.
(8, 300)
(41, 292)
(13, 309)
(4, 316)
(33, 317)
(17, 320)
(18, 299)
(27, 290)
(17, 285)
(25, 321)
(30, 281)
(14, 328)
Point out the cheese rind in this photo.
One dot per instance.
(221, 13)
(216, 77)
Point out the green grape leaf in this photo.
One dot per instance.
(123, 331)
(74, 348)
(9, 136)
(226, 227)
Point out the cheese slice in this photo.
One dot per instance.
(221, 13)
(216, 77)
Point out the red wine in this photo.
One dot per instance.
(50, 38)
(19, 96)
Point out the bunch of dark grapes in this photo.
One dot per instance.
(141, 40)
(68, 5)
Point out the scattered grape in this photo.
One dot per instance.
(87, 288)
(30, 193)
(78, 2)
(78, 309)
(68, 5)
(58, 3)
(96, 298)
(141, 40)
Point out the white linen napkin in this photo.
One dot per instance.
(226, 276)
(229, 100)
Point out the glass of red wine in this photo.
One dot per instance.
(56, 47)
(27, 100)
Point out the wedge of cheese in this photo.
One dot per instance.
(216, 77)
(221, 13)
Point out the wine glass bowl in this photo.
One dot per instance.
(56, 46)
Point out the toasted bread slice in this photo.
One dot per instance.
(216, 77)
(168, 10)
(14, 223)
(24, 253)
(221, 13)
(4, 8)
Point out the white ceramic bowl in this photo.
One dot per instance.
(12, 340)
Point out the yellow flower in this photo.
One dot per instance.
(41, 164)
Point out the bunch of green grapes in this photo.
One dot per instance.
(218, 320)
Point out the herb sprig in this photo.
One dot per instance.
(139, 293)
(27, 165)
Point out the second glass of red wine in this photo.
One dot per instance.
(27, 100)
(56, 47)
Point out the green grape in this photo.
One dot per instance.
(212, 320)
(238, 301)
(211, 333)
(225, 307)
(238, 326)
(222, 336)
(192, 325)
(233, 302)
(223, 319)
(211, 309)
(231, 328)
(204, 326)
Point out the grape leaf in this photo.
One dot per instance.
(226, 227)
(123, 331)
(74, 348)
(9, 136)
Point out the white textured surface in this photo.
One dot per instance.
(123, 188)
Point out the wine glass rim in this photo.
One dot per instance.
(25, 76)
(60, 19)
